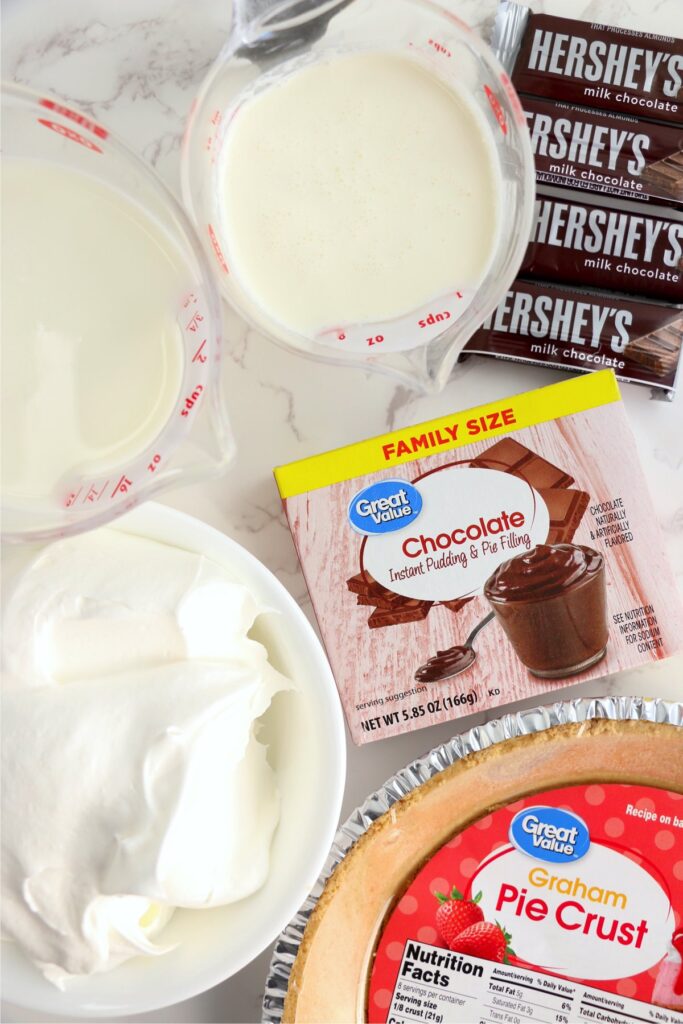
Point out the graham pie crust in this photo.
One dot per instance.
(329, 978)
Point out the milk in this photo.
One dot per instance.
(91, 351)
(357, 190)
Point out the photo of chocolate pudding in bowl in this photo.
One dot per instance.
(551, 603)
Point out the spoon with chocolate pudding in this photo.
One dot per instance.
(452, 661)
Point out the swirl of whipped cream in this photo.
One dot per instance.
(544, 571)
(134, 780)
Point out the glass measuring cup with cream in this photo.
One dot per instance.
(367, 182)
(110, 328)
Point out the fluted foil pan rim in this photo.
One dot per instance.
(510, 726)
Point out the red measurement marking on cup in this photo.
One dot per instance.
(434, 318)
(152, 466)
(193, 323)
(93, 494)
(200, 356)
(71, 498)
(69, 133)
(377, 340)
(214, 124)
(520, 116)
(217, 249)
(73, 115)
(440, 48)
(214, 121)
(191, 400)
(341, 336)
(498, 111)
(122, 486)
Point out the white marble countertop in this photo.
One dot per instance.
(136, 65)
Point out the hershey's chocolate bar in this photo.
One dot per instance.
(597, 151)
(509, 456)
(666, 176)
(566, 508)
(659, 351)
(539, 322)
(609, 247)
(596, 65)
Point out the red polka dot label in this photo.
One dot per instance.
(565, 906)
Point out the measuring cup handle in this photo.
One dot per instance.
(246, 11)
(293, 23)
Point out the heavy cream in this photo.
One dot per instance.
(91, 347)
(131, 710)
(356, 190)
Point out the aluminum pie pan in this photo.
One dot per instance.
(510, 726)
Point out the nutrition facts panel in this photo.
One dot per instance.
(434, 985)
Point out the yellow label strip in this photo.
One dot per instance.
(448, 432)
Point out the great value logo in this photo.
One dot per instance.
(384, 507)
(550, 834)
(601, 916)
(471, 520)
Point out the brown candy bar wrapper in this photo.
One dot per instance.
(607, 247)
(509, 456)
(659, 351)
(584, 330)
(599, 66)
(666, 176)
(566, 509)
(596, 151)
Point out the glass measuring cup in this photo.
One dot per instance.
(195, 441)
(272, 40)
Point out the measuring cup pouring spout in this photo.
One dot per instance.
(275, 40)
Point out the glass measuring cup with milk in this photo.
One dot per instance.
(360, 175)
(110, 328)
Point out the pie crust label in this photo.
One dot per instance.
(566, 905)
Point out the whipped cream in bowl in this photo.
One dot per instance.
(173, 765)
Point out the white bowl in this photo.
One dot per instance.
(308, 751)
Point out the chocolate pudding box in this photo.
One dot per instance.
(484, 557)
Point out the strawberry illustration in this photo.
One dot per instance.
(455, 913)
(486, 940)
